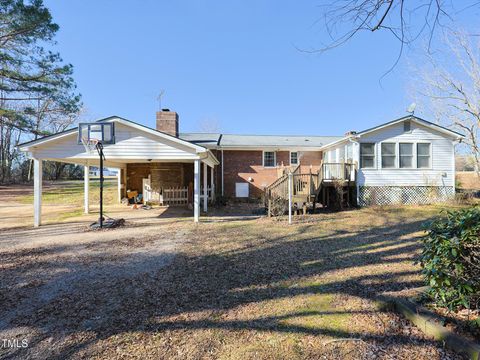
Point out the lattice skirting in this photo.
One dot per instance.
(391, 195)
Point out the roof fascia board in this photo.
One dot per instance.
(25, 147)
(198, 148)
(417, 120)
(270, 147)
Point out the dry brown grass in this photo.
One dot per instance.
(264, 290)
(248, 289)
(467, 180)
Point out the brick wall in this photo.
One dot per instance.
(163, 175)
(245, 164)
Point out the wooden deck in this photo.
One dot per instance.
(312, 189)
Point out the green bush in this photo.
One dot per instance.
(451, 259)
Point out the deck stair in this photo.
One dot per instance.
(311, 188)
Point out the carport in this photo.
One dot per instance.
(134, 144)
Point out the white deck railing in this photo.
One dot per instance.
(171, 196)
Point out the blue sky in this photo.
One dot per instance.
(232, 63)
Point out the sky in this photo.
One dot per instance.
(234, 65)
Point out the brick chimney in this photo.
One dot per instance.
(167, 122)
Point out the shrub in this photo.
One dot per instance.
(451, 258)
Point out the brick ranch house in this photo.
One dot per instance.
(407, 160)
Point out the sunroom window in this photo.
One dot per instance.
(367, 155)
(423, 155)
(389, 156)
(406, 155)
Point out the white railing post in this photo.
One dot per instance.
(290, 198)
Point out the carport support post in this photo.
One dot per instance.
(196, 190)
(37, 192)
(119, 185)
(212, 184)
(86, 187)
(205, 187)
(290, 198)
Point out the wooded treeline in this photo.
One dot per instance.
(38, 95)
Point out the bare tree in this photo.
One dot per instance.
(406, 21)
(449, 85)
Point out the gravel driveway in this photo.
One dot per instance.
(61, 281)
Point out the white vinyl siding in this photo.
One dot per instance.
(130, 143)
(441, 169)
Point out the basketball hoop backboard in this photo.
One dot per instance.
(98, 132)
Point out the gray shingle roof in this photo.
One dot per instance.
(281, 141)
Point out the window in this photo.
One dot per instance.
(293, 158)
(389, 155)
(349, 152)
(367, 155)
(406, 155)
(269, 159)
(407, 126)
(423, 155)
(341, 154)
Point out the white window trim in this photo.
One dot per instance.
(397, 163)
(431, 155)
(290, 157)
(414, 155)
(375, 157)
(274, 159)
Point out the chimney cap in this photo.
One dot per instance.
(165, 109)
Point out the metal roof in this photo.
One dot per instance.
(255, 141)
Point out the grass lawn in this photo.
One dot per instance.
(260, 289)
(243, 289)
(72, 192)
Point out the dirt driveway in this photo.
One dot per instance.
(60, 276)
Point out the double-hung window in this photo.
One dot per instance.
(269, 159)
(367, 155)
(293, 158)
(423, 155)
(406, 155)
(389, 155)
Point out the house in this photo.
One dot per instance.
(95, 171)
(408, 160)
